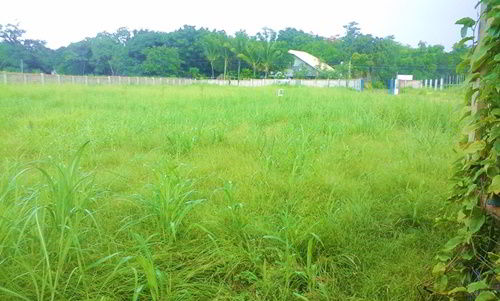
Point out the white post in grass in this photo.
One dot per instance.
(42, 78)
(109, 80)
(436, 84)
(86, 80)
(72, 79)
(128, 79)
(119, 80)
(5, 78)
(58, 79)
(25, 80)
(441, 85)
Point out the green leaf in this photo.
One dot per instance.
(475, 286)
(459, 289)
(468, 22)
(496, 145)
(441, 283)
(475, 146)
(492, 171)
(464, 40)
(476, 220)
(453, 243)
(472, 77)
(486, 296)
(497, 57)
(443, 257)
(439, 269)
(495, 112)
(463, 32)
(480, 55)
(467, 255)
(495, 185)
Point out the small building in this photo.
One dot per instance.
(407, 81)
(306, 64)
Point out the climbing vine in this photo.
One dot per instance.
(468, 266)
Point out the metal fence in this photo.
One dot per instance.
(41, 78)
(443, 82)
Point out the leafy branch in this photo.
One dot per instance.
(469, 263)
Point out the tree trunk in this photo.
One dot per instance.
(212, 65)
(225, 68)
(239, 68)
(111, 67)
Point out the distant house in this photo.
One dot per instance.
(405, 81)
(307, 64)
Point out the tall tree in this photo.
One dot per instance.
(211, 45)
(226, 53)
(161, 61)
(251, 55)
(239, 45)
(269, 51)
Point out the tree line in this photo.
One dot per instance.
(203, 53)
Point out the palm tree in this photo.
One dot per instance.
(239, 45)
(269, 51)
(226, 53)
(251, 55)
(270, 54)
(211, 49)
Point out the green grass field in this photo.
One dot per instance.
(220, 193)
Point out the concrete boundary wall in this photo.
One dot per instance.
(41, 78)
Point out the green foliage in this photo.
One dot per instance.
(215, 52)
(194, 72)
(252, 55)
(161, 61)
(270, 52)
(212, 49)
(469, 262)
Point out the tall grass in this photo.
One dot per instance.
(220, 193)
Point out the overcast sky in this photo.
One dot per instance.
(60, 22)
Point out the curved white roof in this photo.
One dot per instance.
(311, 60)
